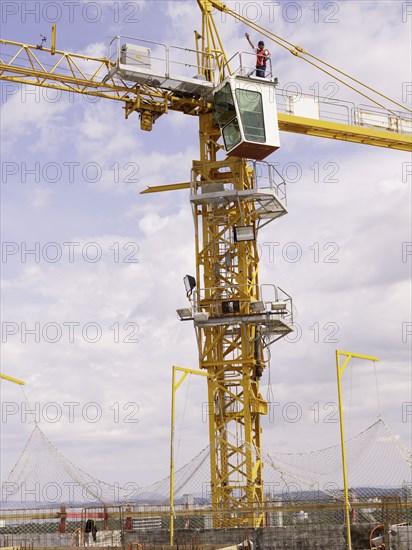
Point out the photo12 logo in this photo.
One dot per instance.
(70, 252)
(68, 171)
(71, 11)
(70, 411)
(272, 12)
(69, 492)
(69, 332)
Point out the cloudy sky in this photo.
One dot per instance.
(106, 277)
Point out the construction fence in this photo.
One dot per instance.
(293, 525)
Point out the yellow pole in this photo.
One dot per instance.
(11, 379)
(172, 458)
(339, 372)
(53, 39)
(342, 440)
(175, 387)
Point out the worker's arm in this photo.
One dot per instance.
(249, 40)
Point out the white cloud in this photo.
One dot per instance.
(41, 197)
(366, 213)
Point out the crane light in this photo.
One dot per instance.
(244, 233)
(257, 307)
(278, 306)
(184, 313)
(190, 283)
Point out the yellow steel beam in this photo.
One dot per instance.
(161, 188)
(29, 65)
(344, 132)
(11, 379)
(53, 40)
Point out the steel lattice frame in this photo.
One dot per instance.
(230, 353)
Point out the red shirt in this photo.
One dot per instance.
(262, 57)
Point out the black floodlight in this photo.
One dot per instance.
(190, 283)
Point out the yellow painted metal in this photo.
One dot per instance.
(11, 379)
(25, 67)
(53, 39)
(344, 132)
(162, 188)
(228, 270)
(212, 46)
(175, 387)
(340, 369)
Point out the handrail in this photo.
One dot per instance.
(168, 50)
(247, 70)
(400, 122)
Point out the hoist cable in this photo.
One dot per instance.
(377, 390)
(298, 51)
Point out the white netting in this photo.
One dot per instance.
(43, 475)
(378, 465)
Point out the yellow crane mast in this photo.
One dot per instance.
(235, 317)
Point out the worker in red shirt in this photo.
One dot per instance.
(262, 54)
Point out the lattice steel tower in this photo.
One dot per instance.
(234, 317)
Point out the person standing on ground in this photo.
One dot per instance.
(262, 55)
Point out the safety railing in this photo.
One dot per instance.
(244, 64)
(266, 176)
(187, 62)
(236, 300)
(210, 299)
(344, 112)
(158, 57)
(165, 60)
(366, 115)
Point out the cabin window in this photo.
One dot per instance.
(231, 134)
(251, 112)
(224, 105)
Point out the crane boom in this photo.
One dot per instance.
(87, 75)
(344, 132)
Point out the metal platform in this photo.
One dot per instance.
(147, 77)
(269, 205)
(159, 66)
(272, 322)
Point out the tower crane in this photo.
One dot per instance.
(234, 192)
